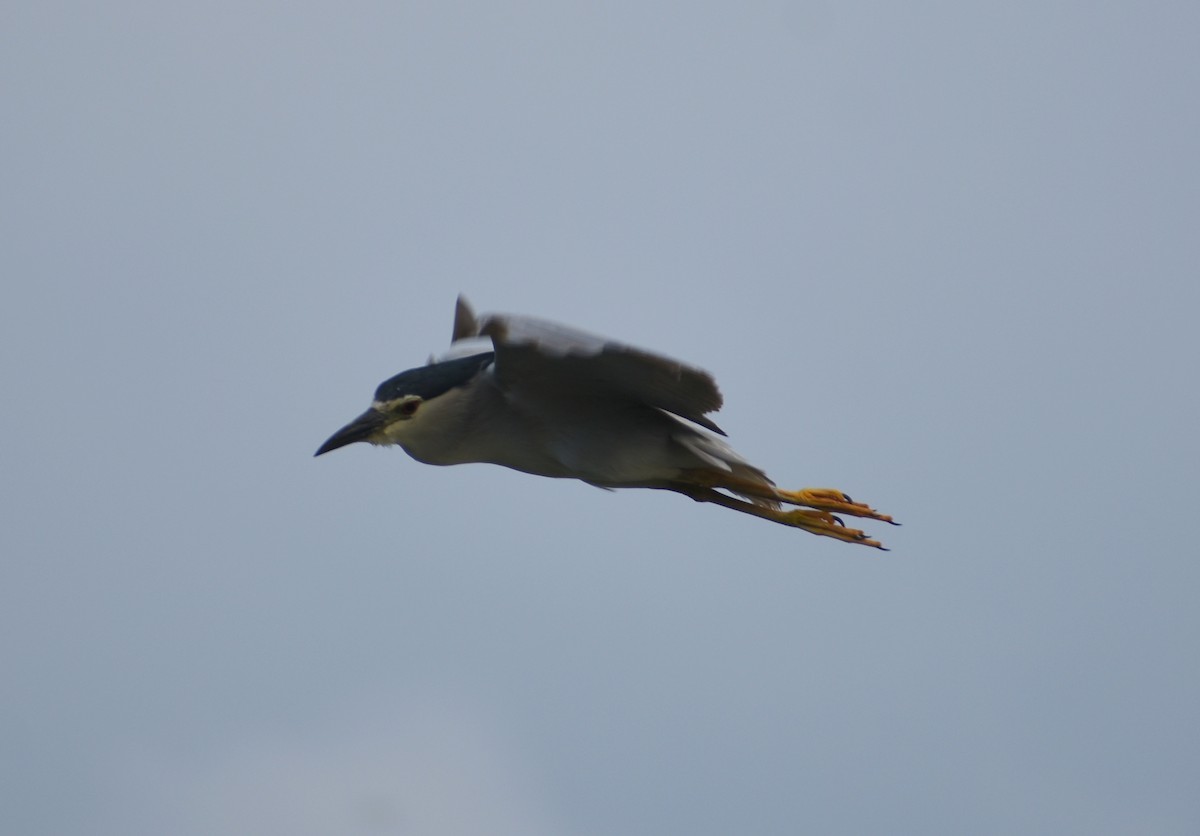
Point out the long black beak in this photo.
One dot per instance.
(360, 429)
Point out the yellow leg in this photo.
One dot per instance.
(818, 522)
(830, 499)
(824, 499)
(824, 524)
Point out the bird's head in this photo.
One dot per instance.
(399, 406)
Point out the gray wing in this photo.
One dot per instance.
(554, 358)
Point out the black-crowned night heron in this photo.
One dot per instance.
(553, 401)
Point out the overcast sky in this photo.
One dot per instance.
(942, 256)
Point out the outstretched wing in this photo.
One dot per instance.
(533, 353)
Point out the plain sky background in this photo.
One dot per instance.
(943, 256)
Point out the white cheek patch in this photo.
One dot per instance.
(399, 424)
(391, 434)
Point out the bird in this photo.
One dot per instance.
(551, 400)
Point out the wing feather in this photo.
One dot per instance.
(534, 354)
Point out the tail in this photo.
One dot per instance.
(723, 467)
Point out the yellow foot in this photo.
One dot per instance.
(825, 524)
(830, 499)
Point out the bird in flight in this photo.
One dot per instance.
(554, 401)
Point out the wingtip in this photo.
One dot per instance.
(465, 323)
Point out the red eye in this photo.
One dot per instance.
(409, 407)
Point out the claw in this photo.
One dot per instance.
(828, 499)
(816, 517)
(824, 523)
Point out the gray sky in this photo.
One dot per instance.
(942, 256)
